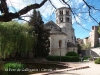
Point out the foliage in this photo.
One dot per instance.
(63, 58)
(87, 46)
(14, 65)
(99, 29)
(14, 37)
(43, 44)
(71, 53)
(97, 61)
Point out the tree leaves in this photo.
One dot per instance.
(14, 37)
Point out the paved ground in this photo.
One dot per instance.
(93, 70)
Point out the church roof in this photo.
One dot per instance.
(70, 44)
(51, 25)
(54, 28)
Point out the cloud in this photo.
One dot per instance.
(47, 9)
(83, 25)
(77, 18)
(84, 6)
(75, 3)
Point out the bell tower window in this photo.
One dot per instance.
(61, 19)
(67, 19)
(67, 12)
(61, 12)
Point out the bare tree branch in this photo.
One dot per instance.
(4, 7)
(23, 20)
(74, 15)
(89, 9)
(52, 4)
(9, 16)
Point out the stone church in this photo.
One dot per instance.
(62, 36)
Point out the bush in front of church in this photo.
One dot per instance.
(73, 56)
(72, 53)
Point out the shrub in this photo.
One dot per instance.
(97, 61)
(72, 54)
(63, 58)
(13, 65)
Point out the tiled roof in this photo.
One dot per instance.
(70, 44)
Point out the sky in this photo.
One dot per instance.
(82, 29)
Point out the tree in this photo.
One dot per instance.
(6, 13)
(86, 46)
(99, 29)
(14, 38)
(43, 44)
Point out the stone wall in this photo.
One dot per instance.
(54, 44)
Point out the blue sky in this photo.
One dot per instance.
(48, 13)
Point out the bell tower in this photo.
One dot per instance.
(64, 21)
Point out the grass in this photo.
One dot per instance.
(13, 66)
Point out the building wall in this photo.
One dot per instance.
(85, 41)
(93, 38)
(54, 45)
(79, 41)
(72, 49)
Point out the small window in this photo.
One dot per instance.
(60, 42)
(67, 19)
(72, 38)
(61, 12)
(67, 12)
(61, 19)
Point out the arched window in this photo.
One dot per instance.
(60, 43)
(61, 19)
(67, 19)
(67, 12)
(61, 12)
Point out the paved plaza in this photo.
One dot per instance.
(93, 70)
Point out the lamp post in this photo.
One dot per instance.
(60, 48)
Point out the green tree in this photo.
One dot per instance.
(14, 37)
(43, 44)
(87, 46)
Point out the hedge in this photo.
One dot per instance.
(72, 53)
(63, 58)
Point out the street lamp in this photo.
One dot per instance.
(60, 48)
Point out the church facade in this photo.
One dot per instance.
(62, 36)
